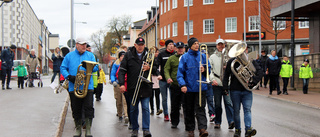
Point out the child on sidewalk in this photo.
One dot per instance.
(305, 73)
(22, 73)
(101, 80)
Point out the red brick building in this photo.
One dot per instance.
(210, 19)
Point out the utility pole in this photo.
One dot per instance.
(292, 44)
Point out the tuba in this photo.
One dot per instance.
(82, 79)
(224, 55)
(245, 71)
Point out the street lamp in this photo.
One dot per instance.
(2, 32)
(80, 22)
(72, 21)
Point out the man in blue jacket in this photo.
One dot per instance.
(7, 57)
(68, 69)
(188, 76)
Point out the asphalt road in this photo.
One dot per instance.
(271, 118)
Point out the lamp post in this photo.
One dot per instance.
(72, 21)
(2, 28)
(80, 22)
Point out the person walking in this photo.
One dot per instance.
(285, 73)
(57, 60)
(101, 80)
(162, 58)
(240, 95)
(215, 75)
(7, 56)
(22, 73)
(32, 63)
(263, 60)
(273, 67)
(187, 76)
(69, 69)
(305, 73)
(132, 64)
(170, 72)
(155, 87)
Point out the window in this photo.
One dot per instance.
(208, 26)
(190, 27)
(208, 2)
(174, 29)
(161, 32)
(169, 31)
(161, 8)
(231, 24)
(168, 5)
(227, 1)
(165, 32)
(164, 6)
(279, 24)
(174, 4)
(186, 3)
(253, 23)
(303, 24)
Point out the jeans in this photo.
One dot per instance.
(244, 98)
(80, 104)
(177, 97)
(285, 84)
(218, 94)
(305, 85)
(193, 109)
(54, 76)
(155, 93)
(128, 101)
(164, 94)
(210, 100)
(274, 83)
(4, 73)
(134, 114)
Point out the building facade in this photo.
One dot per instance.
(150, 29)
(211, 19)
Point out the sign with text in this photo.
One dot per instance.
(255, 36)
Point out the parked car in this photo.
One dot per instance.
(16, 63)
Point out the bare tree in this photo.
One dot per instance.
(120, 26)
(98, 39)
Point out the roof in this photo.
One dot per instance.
(150, 23)
(138, 24)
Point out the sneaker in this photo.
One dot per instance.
(130, 127)
(237, 133)
(231, 125)
(166, 117)
(134, 133)
(250, 132)
(147, 133)
(152, 112)
(126, 121)
(217, 126)
(159, 112)
(212, 117)
(174, 126)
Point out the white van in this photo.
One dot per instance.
(16, 63)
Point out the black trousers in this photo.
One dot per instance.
(285, 84)
(156, 93)
(193, 110)
(78, 103)
(274, 82)
(99, 90)
(128, 100)
(20, 82)
(265, 80)
(4, 73)
(177, 98)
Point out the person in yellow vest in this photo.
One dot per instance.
(305, 73)
(285, 73)
(99, 86)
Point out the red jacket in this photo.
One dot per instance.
(125, 79)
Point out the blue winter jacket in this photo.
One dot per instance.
(70, 65)
(188, 71)
(113, 72)
(7, 57)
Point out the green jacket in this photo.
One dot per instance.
(171, 68)
(286, 69)
(305, 72)
(22, 71)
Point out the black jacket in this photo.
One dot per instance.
(131, 65)
(273, 66)
(162, 60)
(7, 57)
(57, 60)
(235, 84)
(263, 60)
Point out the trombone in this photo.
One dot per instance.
(204, 48)
(149, 59)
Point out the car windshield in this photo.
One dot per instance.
(16, 63)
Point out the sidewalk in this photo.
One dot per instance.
(312, 99)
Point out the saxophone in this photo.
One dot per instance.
(82, 79)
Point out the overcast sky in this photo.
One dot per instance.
(57, 14)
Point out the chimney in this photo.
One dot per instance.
(149, 15)
(154, 10)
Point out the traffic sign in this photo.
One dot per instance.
(114, 50)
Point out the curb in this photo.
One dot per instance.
(62, 118)
(291, 101)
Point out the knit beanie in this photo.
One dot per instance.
(168, 41)
(191, 41)
(121, 53)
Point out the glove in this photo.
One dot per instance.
(251, 85)
(115, 84)
(84, 65)
(72, 78)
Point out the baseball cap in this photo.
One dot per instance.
(81, 40)
(219, 41)
(306, 60)
(140, 41)
(180, 45)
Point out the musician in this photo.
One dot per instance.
(131, 65)
(170, 72)
(239, 95)
(188, 76)
(68, 69)
(215, 75)
(162, 58)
